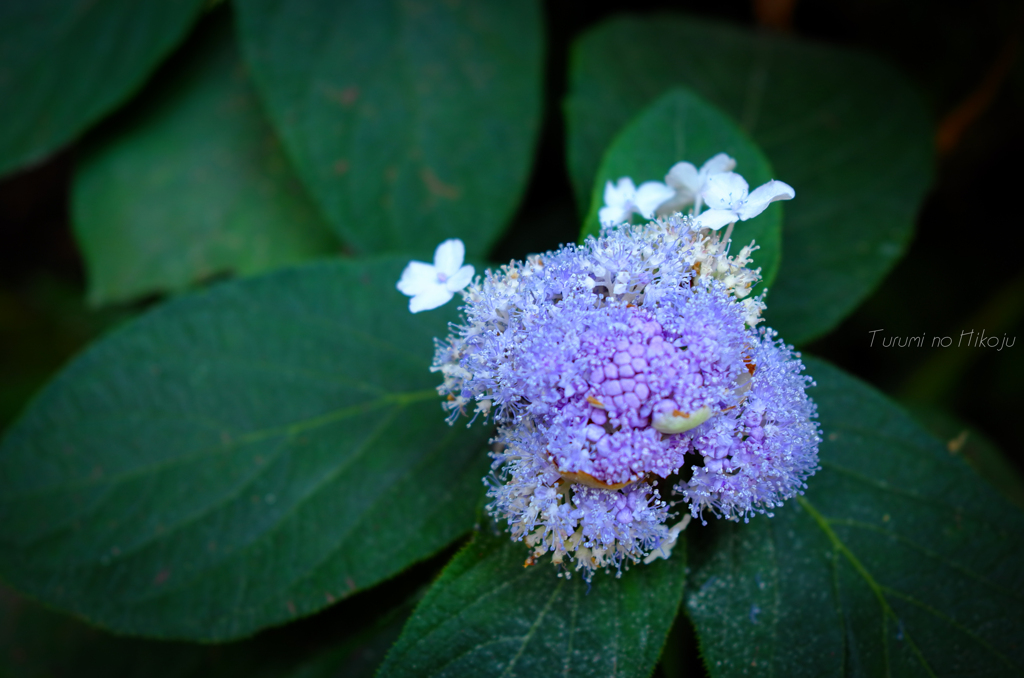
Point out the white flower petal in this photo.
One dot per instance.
(613, 215)
(718, 164)
(449, 256)
(767, 193)
(675, 204)
(650, 195)
(461, 278)
(684, 178)
(432, 298)
(417, 277)
(715, 219)
(619, 194)
(725, 191)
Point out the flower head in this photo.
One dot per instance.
(434, 285)
(626, 379)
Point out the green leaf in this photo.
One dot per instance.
(192, 184)
(899, 560)
(409, 122)
(488, 616)
(681, 126)
(64, 64)
(846, 131)
(239, 458)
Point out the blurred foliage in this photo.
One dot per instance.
(66, 63)
(190, 183)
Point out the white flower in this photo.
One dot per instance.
(434, 285)
(726, 195)
(618, 201)
(688, 183)
(623, 198)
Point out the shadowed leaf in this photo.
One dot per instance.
(192, 185)
(64, 64)
(410, 122)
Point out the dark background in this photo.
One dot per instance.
(961, 273)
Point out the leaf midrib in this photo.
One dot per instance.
(964, 571)
(876, 588)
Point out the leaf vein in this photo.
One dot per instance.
(963, 570)
(863, 572)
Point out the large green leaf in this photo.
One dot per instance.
(192, 184)
(410, 122)
(66, 63)
(842, 128)
(681, 126)
(897, 561)
(239, 458)
(488, 616)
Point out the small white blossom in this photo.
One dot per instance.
(688, 183)
(434, 285)
(727, 196)
(623, 198)
(619, 201)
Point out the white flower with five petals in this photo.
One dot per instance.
(727, 196)
(434, 285)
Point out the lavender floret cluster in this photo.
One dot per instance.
(628, 377)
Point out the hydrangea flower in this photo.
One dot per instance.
(632, 391)
(434, 285)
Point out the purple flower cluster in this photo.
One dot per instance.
(626, 377)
